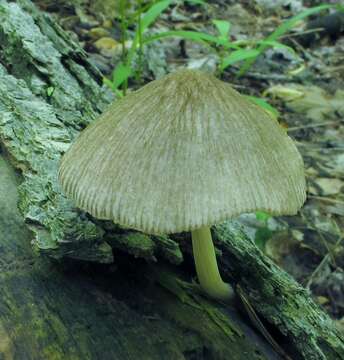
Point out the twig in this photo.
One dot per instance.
(322, 238)
(322, 263)
(324, 198)
(333, 69)
(295, 128)
(305, 32)
(259, 325)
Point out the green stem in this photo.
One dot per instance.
(140, 39)
(206, 265)
(124, 26)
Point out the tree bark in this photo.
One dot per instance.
(86, 311)
(304, 329)
(48, 93)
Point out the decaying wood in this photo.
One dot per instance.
(77, 311)
(307, 332)
(48, 93)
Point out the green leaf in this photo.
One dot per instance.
(277, 45)
(196, 36)
(120, 75)
(153, 13)
(147, 19)
(289, 24)
(262, 216)
(264, 105)
(237, 56)
(188, 35)
(223, 28)
(108, 83)
(197, 2)
(50, 91)
(261, 237)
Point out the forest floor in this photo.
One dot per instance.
(303, 81)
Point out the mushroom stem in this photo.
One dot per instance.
(206, 265)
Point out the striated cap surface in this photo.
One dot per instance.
(183, 152)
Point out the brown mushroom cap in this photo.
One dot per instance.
(182, 152)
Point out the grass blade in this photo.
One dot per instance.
(121, 74)
(153, 13)
(189, 35)
(223, 27)
(282, 29)
(264, 105)
(237, 56)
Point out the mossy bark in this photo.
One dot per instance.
(48, 93)
(302, 327)
(79, 310)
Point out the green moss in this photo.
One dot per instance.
(135, 243)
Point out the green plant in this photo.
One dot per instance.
(144, 17)
(229, 52)
(265, 105)
(218, 43)
(281, 30)
(263, 233)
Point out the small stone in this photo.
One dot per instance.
(322, 300)
(99, 32)
(107, 24)
(297, 234)
(310, 171)
(107, 43)
(69, 22)
(107, 46)
(329, 186)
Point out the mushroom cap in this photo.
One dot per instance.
(183, 152)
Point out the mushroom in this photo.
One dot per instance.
(180, 154)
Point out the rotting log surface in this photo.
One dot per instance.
(48, 93)
(87, 311)
(307, 331)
